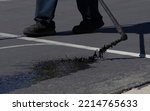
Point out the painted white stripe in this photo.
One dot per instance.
(123, 53)
(59, 43)
(50, 42)
(8, 35)
(23, 45)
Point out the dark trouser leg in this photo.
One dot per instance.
(92, 19)
(89, 9)
(93, 5)
(45, 10)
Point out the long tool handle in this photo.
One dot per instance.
(113, 19)
(118, 27)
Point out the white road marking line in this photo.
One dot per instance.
(59, 43)
(23, 45)
(50, 42)
(8, 35)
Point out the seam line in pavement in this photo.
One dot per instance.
(50, 42)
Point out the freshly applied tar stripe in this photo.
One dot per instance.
(70, 45)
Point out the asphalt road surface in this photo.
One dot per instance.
(120, 70)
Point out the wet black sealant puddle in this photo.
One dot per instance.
(45, 70)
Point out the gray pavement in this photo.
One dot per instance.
(116, 73)
(139, 90)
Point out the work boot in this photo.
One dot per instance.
(87, 26)
(40, 29)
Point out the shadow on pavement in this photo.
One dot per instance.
(141, 29)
